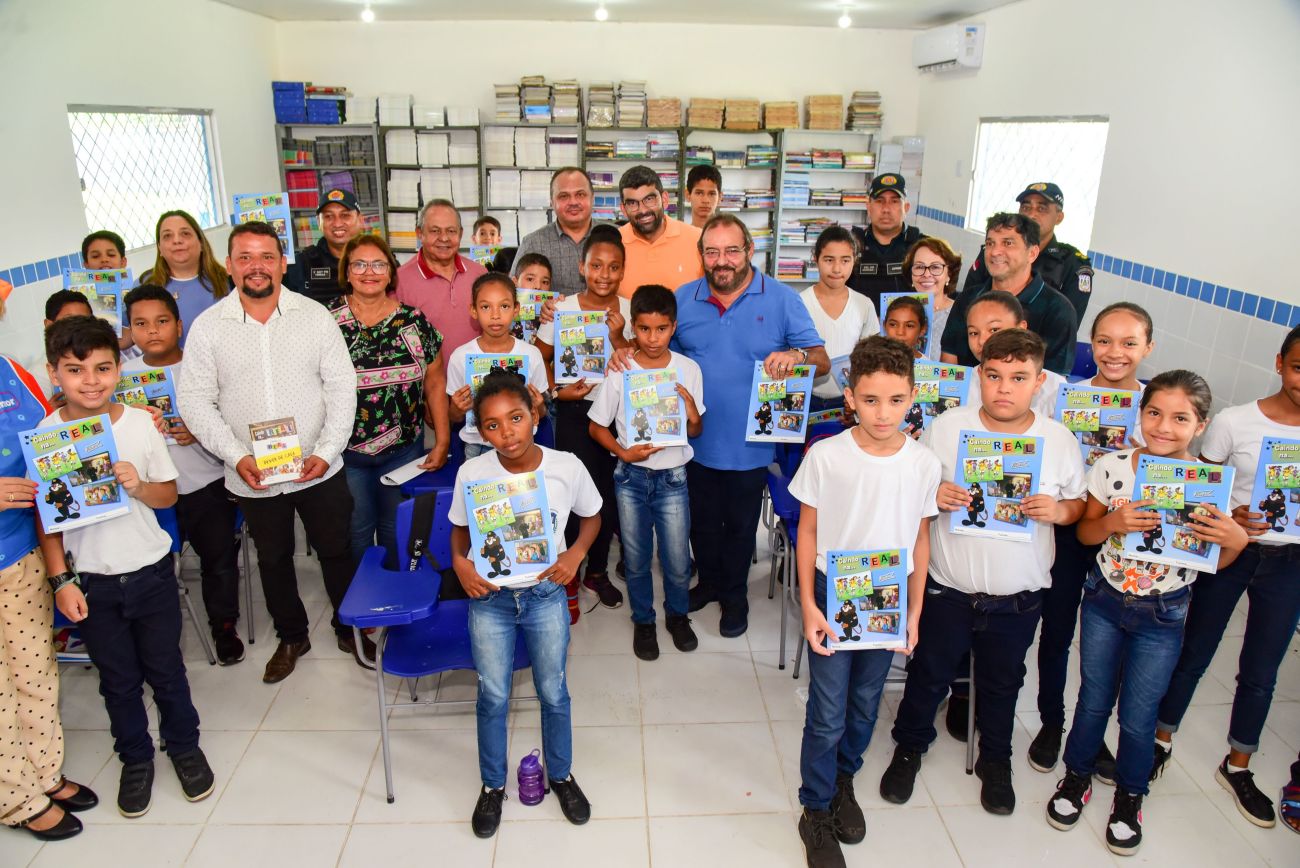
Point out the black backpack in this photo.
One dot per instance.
(418, 547)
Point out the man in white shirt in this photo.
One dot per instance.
(259, 355)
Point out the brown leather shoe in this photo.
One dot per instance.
(285, 658)
(348, 645)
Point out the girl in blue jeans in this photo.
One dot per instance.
(504, 411)
(1133, 611)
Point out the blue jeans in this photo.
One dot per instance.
(1270, 578)
(1139, 637)
(542, 613)
(374, 505)
(654, 503)
(843, 697)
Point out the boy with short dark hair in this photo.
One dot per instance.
(132, 628)
(65, 303)
(486, 231)
(703, 192)
(103, 249)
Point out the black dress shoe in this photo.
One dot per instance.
(487, 812)
(699, 598)
(65, 828)
(82, 800)
(573, 803)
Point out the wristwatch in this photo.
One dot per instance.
(802, 352)
(67, 577)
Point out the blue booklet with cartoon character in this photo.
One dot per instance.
(1178, 489)
(925, 337)
(1276, 493)
(104, 289)
(269, 208)
(778, 409)
(866, 599)
(652, 409)
(840, 371)
(479, 365)
(154, 387)
(939, 388)
(72, 465)
(511, 540)
(998, 471)
(1102, 420)
(531, 302)
(582, 347)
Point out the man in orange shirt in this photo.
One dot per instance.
(659, 249)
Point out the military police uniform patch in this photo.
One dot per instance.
(868, 268)
(321, 273)
(1081, 255)
(1038, 188)
(893, 268)
(1085, 282)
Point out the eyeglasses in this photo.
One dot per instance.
(934, 269)
(649, 202)
(712, 254)
(358, 266)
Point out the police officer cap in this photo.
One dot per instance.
(346, 198)
(888, 181)
(1046, 189)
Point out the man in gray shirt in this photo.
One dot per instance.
(561, 242)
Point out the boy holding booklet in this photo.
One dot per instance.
(984, 594)
(649, 480)
(869, 487)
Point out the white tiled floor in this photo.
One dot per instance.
(692, 760)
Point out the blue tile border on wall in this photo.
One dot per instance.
(1237, 300)
(45, 269)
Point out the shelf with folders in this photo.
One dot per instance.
(749, 162)
(316, 158)
(421, 164)
(610, 151)
(516, 164)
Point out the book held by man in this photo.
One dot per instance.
(998, 471)
(1102, 420)
(866, 599)
(778, 408)
(277, 450)
(511, 540)
(582, 347)
(1276, 493)
(652, 409)
(72, 465)
(1179, 489)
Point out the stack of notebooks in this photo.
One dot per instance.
(761, 156)
(827, 159)
(741, 114)
(401, 232)
(530, 147)
(507, 100)
(824, 197)
(705, 112)
(864, 110)
(566, 105)
(731, 201)
(462, 116)
(535, 96)
(534, 189)
(304, 232)
(463, 148)
(760, 198)
(464, 187)
(395, 110)
(865, 162)
(699, 155)
(302, 188)
(399, 147)
(297, 152)
(632, 149)
(664, 148)
(794, 191)
(598, 150)
(762, 236)
(825, 112)
(631, 104)
(431, 149)
(798, 161)
(359, 110)
(562, 148)
(729, 159)
(600, 104)
(664, 112)
(426, 115)
(780, 115)
(403, 188)
(790, 268)
(435, 184)
(853, 198)
(602, 179)
(670, 180)
(499, 146)
(503, 189)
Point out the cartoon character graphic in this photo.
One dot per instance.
(976, 511)
(914, 420)
(1274, 508)
(495, 553)
(569, 360)
(61, 499)
(764, 417)
(641, 422)
(1153, 540)
(847, 618)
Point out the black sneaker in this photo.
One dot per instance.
(1124, 828)
(957, 717)
(487, 812)
(610, 596)
(227, 644)
(1066, 807)
(573, 804)
(195, 775)
(679, 627)
(850, 825)
(820, 847)
(135, 789)
(900, 777)
(996, 794)
(1103, 766)
(1162, 758)
(645, 641)
(1253, 804)
(1045, 749)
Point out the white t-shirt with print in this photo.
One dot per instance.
(607, 407)
(456, 377)
(858, 320)
(1234, 437)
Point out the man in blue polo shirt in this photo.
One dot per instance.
(726, 321)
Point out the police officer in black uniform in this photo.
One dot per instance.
(315, 274)
(885, 240)
(1063, 267)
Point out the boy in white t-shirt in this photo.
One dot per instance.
(871, 487)
(985, 595)
(125, 601)
(650, 481)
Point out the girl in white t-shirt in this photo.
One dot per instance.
(991, 313)
(842, 317)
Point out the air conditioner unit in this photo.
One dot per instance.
(953, 46)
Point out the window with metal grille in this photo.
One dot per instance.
(136, 163)
(1012, 153)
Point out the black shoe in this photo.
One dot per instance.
(65, 828)
(195, 775)
(1124, 828)
(850, 825)
(820, 847)
(699, 598)
(1045, 749)
(365, 655)
(898, 780)
(1161, 760)
(227, 644)
(573, 804)
(645, 641)
(1253, 804)
(733, 624)
(620, 569)
(1103, 766)
(487, 812)
(1066, 807)
(957, 717)
(996, 794)
(82, 800)
(135, 789)
(679, 627)
(610, 596)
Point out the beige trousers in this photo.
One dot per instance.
(31, 737)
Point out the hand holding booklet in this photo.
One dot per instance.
(866, 599)
(72, 464)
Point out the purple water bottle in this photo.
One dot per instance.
(532, 789)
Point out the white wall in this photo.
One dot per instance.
(1200, 176)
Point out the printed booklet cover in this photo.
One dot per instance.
(104, 289)
(531, 302)
(840, 371)
(652, 409)
(483, 254)
(999, 472)
(582, 348)
(778, 409)
(479, 365)
(835, 414)
(939, 388)
(926, 341)
(1178, 489)
(866, 599)
(155, 387)
(1277, 489)
(277, 450)
(269, 208)
(72, 464)
(510, 537)
(1101, 419)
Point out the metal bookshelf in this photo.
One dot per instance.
(372, 206)
(403, 242)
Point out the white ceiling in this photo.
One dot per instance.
(912, 14)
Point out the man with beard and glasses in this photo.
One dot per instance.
(726, 321)
(660, 250)
(266, 359)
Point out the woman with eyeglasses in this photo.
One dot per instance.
(934, 268)
(401, 384)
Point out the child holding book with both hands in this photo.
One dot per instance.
(869, 487)
(504, 410)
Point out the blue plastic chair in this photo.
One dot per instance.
(167, 521)
(1084, 364)
(785, 530)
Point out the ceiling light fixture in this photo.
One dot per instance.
(368, 15)
(602, 14)
(845, 22)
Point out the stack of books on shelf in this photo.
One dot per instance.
(761, 156)
(864, 110)
(864, 161)
(602, 178)
(359, 110)
(534, 189)
(760, 198)
(595, 150)
(794, 191)
(302, 188)
(427, 115)
(304, 232)
(530, 147)
(825, 112)
(290, 101)
(791, 232)
(562, 147)
(664, 112)
(431, 149)
(566, 102)
(824, 197)
(401, 232)
(853, 198)
(606, 206)
(403, 188)
(325, 104)
(729, 159)
(507, 101)
(811, 272)
(762, 236)
(732, 200)
(297, 152)
(827, 159)
(813, 226)
(462, 116)
(499, 146)
(600, 104)
(435, 184)
(741, 114)
(798, 161)
(631, 149)
(631, 103)
(705, 112)
(399, 147)
(366, 189)
(535, 97)
(503, 189)
(789, 268)
(395, 110)
(671, 181)
(361, 151)
(780, 115)
(463, 148)
(464, 187)
(699, 155)
(531, 221)
(664, 148)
